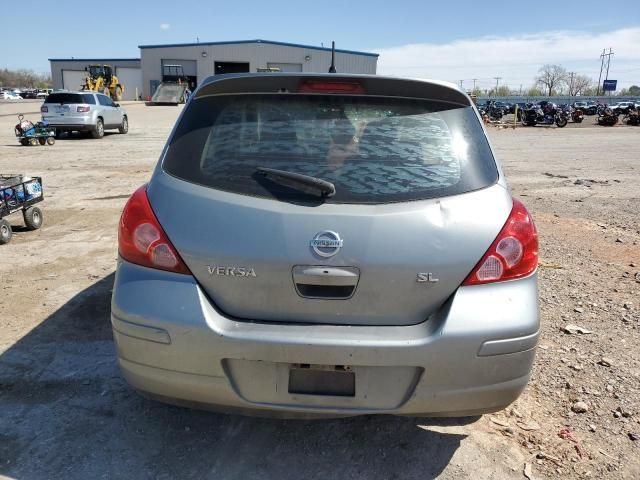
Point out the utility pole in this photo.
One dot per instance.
(606, 77)
(571, 75)
(474, 84)
(602, 60)
(461, 81)
(497, 80)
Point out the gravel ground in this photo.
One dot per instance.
(67, 413)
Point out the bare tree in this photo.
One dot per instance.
(579, 84)
(551, 76)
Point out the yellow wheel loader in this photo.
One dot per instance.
(100, 78)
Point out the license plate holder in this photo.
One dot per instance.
(334, 381)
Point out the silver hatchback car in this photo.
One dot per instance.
(84, 112)
(327, 245)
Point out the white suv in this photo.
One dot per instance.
(83, 112)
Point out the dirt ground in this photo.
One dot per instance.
(65, 411)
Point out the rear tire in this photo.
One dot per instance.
(124, 127)
(51, 141)
(5, 232)
(32, 218)
(98, 130)
(24, 142)
(33, 142)
(42, 141)
(561, 122)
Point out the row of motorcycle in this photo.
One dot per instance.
(548, 113)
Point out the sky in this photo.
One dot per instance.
(454, 40)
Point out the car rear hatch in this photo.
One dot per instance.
(67, 107)
(415, 207)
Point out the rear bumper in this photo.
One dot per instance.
(473, 356)
(77, 123)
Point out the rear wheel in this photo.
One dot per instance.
(124, 126)
(98, 130)
(32, 218)
(51, 141)
(5, 232)
(561, 122)
(42, 141)
(33, 141)
(24, 142)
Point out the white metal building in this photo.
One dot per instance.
(68, 73)
(200, 60)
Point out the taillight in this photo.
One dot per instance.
(83, 109)
(142, 240)
(44, 109)
(514, 252)
(328, 86)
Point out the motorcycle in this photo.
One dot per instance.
(633, 117)
(607, 118)
(577, 115)
(491, 111)
(544, 113)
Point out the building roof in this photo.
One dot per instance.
(94, 60)
(269, 42)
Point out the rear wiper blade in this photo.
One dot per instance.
(297, 180)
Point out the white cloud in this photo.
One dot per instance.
(164, 26)
(516, 58)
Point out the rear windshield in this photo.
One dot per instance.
(373, 149)
(64, 98)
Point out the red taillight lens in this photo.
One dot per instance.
(44, 109)
(142, 240)
(324, 86)
(514, 252)
(83, 109)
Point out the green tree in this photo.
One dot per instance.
(534, 92)
(634, 90)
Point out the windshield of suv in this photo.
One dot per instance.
(373, 149)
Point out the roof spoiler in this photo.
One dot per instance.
(290, 83)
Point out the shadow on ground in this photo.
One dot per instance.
(67, 413)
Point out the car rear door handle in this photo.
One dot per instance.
(325, 276)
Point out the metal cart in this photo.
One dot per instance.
(19, 193)
(32, 134)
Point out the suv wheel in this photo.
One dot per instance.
(98, 130)
(124, 127)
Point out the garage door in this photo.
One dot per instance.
(190, 67)
(286, 67)
(73, 79)
(131, 78)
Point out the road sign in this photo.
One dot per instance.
(609, 85)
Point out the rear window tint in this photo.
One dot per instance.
(89, 98)
(374, 150)
(64, 98)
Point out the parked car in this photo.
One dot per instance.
(592, 108)
(325, 244)
(581, 105)
(9, 96)
(44, 92)
(29, 94)
(622, 108)
(83, 112)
